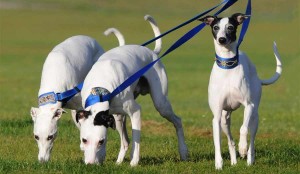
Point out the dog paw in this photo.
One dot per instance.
(232, 154)
(243, 150)
(121, 157)
(183, 154)
(118, 162)
(134, 163)
(233, 161)
(250, 159)
(219, 164)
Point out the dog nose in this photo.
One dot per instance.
(222, 40)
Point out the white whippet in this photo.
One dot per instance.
(65, 67)
(234, 82)
(111, 69)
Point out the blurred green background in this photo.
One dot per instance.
(29, 29)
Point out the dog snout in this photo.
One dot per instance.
(222, 40)
(43, 159)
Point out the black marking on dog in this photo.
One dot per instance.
(82, 114)
(104, 119)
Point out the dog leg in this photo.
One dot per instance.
(225, 124)
(244, 130)
(134, 111)
(217, 139)
(121, 128)
(164, 107)
(253, 129)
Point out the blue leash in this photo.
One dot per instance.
(64, 97)
(92, 99)
(183, 24)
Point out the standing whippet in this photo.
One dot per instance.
(233, 82)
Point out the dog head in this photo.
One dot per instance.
(45, 129)
(224, 29)
(93, 134)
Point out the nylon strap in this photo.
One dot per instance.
(178, 43)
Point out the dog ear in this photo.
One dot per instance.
(208, 20)
(239, 17)
(34, 113)
(58, 113)
(111, 122)
(104, 119)
(82, 114)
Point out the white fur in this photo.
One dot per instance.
(113, 68)
(230, 88)
(65, 67)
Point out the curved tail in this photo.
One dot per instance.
(156, 31)
(278, 68)
(117, 33)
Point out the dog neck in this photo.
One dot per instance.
(226, 51)
(227, 56)
(99, 106)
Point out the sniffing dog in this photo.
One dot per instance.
(65, 67)
(113, 68)
(234, 82)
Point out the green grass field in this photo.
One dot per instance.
(29, 29)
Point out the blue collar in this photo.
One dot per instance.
(227, 63)
(64, 97)
(97, 95)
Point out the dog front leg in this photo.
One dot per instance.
(217, 140)
(225, 124)
(121, 128)
(135, 116)
(253, 129)
(244, 130)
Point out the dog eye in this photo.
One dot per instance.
(84, 140)
(100, 142)
(50, 137)
(230, 28)
(36, 137)
(216, 27)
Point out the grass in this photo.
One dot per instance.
(30, 29)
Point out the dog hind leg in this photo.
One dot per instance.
(164, 107)
(225, 124)
(158, 82)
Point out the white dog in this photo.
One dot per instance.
(234, 82)
(111, 69)
(65, 67)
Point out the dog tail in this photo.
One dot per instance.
(156, 31)
(278, 68)
(117, 33)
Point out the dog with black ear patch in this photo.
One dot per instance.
(110, 71)
(234, 82)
